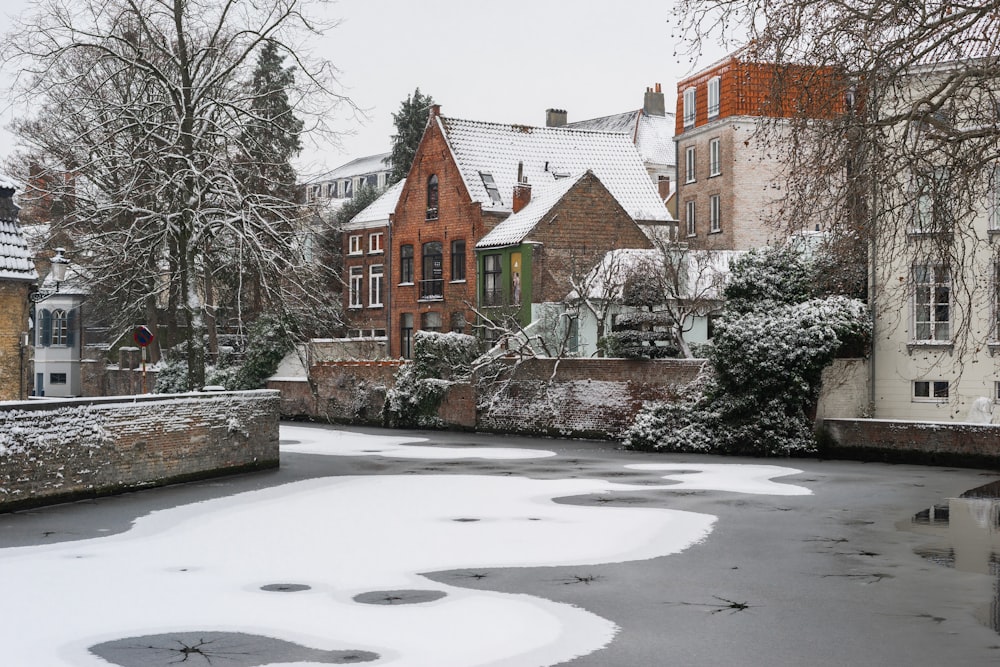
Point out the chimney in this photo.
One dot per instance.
(555, 117)
(654, 104)
(8, 209)
(522, 191)
(663, 185)
(434, 112)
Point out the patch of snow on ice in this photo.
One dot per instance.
(201, 567)
(735, 477)
(345, 443)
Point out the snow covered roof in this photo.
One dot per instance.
(518, 225)
(370, 164)
(979, 39)
(491, 152)
(15, 257)
(652, 135)
(378, 211)
(703, 270)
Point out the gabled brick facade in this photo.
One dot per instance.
(440, 300)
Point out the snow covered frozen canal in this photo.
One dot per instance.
(456, 550)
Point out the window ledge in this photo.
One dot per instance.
(409, 284)
(930, 345)
(357, 253)
(994, 347)
(375, 306)
(457, 282)
(716, 231)
(993, 232)
(355, 307)
(430, 298)
(376, 252)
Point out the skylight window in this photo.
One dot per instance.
(491, 187)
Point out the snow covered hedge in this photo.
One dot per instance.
(439, 360)
(768, 356)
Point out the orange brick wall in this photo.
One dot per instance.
(458, 218)
(13, 323)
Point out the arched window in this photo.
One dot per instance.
(432, 197)
(60, 328)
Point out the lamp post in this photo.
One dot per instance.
(59, 264)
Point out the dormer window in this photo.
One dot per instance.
(491, 187)
(689, 107)
(713, 97)
(432, 197)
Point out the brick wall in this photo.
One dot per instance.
(594, 398)
(350, 391)
(969, 444)
(458, 218)
(54, 451)
(591, 222)
(13, 323)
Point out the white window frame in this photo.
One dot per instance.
(690, 108)
(375, 243)
(354, 244)
(690, 164)
(929, 391)
(376, 282)
(714, 96)
(715, 213)
(928, 282)
(357, 274)
(715, 157)
(690, 217)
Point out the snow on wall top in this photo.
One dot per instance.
(513, 230)
(15, 257)
(652, 135)
(547, 154)
(378, 211)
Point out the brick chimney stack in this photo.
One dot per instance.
(654, 104)
(522, 191)
(555, 117)
(435, 111)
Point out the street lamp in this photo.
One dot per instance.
(58, 264)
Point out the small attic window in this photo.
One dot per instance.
(491, 187)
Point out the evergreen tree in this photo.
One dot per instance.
(410, 123)
(271, 140)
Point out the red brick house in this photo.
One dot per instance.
(365, 239)
(461, 186)
(730, 174)
(17, 278)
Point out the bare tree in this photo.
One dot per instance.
(146, 104)
(901, 162)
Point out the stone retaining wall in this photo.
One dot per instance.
(53, 451)
(936, 443)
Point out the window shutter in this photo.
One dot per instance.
(70, 328)
(45, 331)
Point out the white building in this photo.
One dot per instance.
(58, 338)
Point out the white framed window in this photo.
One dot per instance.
(60, 328)
(689, 216)
(931, 303)
(714, 157)
(715, 213)
(996, 392)
(375, 242)
(354, 286)
(690, 164)
(932, 391)
(932, 210)
(713, 97)
(690, 112)
(354, 244)
(375, 284)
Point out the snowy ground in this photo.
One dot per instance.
(203, 567)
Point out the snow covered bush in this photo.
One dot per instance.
(766, 363)
(269, 339)
(439, 359)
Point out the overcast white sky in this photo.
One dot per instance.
(505, 61)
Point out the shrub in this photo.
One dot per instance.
(438, 360)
